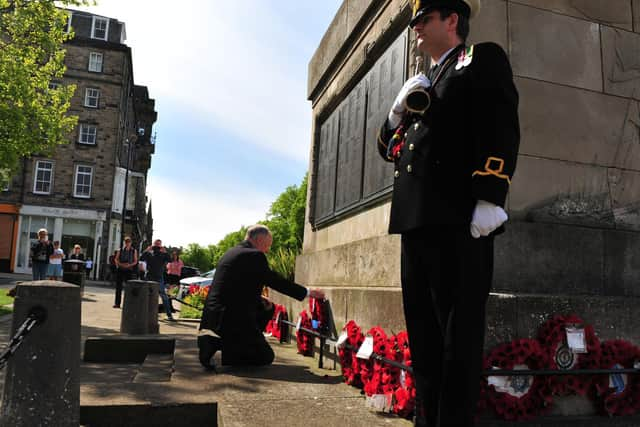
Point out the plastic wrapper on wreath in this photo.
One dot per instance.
(518, 397)
(552, 336)
(618, 394)
(304, 339)
(319, 311)
(348, 361)
(405, 392)
(273, 326)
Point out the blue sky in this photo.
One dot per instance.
(230, 83)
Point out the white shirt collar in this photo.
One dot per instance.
(441, 59)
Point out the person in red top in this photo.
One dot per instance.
(174, 269)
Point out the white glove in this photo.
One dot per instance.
(399, 108)
(486, 218)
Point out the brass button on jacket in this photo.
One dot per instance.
(396, 174)
(411, 147)
(409, 168)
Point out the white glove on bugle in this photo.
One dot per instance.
(486, 218)
(399, 105)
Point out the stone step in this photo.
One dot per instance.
(156, 368)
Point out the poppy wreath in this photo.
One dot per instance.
(273, 326)
(319, 309)
(347, 354)
(373, 380)
(530, 396)
(552, 337)
(619, 394)
(304, 339)
(405, 392)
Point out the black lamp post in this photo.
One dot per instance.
(131, 143)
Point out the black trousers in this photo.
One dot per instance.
(121, 277)
(248, 346)
(446, 277)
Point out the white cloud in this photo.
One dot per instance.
(237, 66)
(182, 215)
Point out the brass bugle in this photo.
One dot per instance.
(418, 100)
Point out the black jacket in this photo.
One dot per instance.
(235, 294)
(463, 149)
(156, 264)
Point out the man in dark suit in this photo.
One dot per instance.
(235, 313)
(454, 155)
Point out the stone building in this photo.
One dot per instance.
(573, 237)
(78, 192)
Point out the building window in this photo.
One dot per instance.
(99, 28)
(87, 134)
(82, 187)
(42, 177)
(95, 62)
(91, 97)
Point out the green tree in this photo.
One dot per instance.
(227, 242)
(285, 218)
(33, 115)
(197, 256)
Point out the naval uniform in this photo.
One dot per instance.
(461, 150)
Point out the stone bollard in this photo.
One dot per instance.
(135, 311)
(154, 294)
(42, 386)
(74, 272)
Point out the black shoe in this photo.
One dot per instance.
(208, 346)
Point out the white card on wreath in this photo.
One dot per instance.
(366, 349)
(342, 339)
(299, 323)
(576, 340)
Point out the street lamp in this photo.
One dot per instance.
(134, 139)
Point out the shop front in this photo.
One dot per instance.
(68, 226)
(8, 236)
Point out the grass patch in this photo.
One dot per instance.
(187, 312)
(4, 298)
(5, 310)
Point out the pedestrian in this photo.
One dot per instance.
(156, 257)
(40, 253)
(88, 265)
(126, 259)
(454, 160)
(77, 253)
(174, 269)
(55, 262)
(235, 313)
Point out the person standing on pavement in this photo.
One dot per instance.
(174, 269)
(156, 257)
(55, 262)
(126, 260)
(77, 253)
(40, 253)
(88, 265)
(454, 159)
(235, 313)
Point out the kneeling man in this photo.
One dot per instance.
(235, 313)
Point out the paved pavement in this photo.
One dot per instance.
(291, 392)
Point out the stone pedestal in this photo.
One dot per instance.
(42, 379)
(135, 310)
